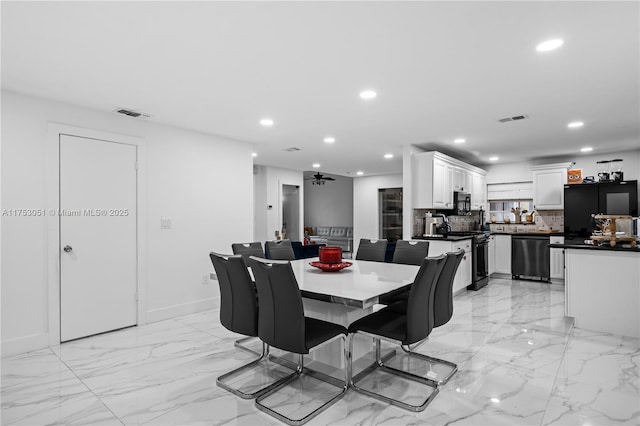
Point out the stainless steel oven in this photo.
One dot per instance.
(480, 262)
(479, 258)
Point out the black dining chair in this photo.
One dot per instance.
(373, 250)
(442, 313)
(248, 249)
(410, 252)
(279, 250)
(239, 314)
(282, 325)
(405, 328)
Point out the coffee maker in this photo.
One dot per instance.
(434, 224)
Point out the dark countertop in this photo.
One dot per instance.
(606, 247)
(447, 238)
(530, 234)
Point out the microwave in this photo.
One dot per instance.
(461, 203)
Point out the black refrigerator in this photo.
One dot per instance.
(583, 200)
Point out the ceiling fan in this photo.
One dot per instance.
(319, 179)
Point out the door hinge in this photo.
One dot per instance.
(136, 165)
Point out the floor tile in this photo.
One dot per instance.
(58, 398)
(520, 361)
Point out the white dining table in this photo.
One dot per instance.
(358, 286)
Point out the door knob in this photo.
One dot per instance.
(67, 248)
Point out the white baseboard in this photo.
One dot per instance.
(24, 344)
(173, 311)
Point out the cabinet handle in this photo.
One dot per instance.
(464, 257)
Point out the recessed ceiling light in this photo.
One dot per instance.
(575, 124)
(459, 140)
(586, 149)
(388, 156)
(495, 400)
(545, 46)
(316, 165)
(329, 139)
(254, 154)
(494, 158)
(368, 94)
(266, 122)
(359, 172)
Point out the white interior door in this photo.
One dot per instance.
(98, 243)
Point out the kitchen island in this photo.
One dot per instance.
(602, 288)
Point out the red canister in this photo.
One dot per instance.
(330, 254)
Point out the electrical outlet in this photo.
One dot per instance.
(205, 280)
(165, 223)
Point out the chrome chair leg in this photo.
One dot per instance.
(379, 363)
(223, 381)
(300, 371)
(453, 367)
(240, 344)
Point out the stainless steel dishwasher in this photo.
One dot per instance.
(530, 257)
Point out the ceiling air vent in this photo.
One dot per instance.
(514, 118)
(292, 149)
(132, 113)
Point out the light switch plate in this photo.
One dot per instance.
(165, 223)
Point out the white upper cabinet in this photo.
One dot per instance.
(548, 186)
(478, 191)
(443, 175)
(436, 176)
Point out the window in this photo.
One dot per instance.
(503, 209)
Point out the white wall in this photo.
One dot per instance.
(521, 172)
(366, 215)
(202, 183)
(330, 204)
(269, 181)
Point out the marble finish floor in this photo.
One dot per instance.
(520, 361)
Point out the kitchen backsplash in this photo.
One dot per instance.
(544, 220)
(465, 223)
(457, 223)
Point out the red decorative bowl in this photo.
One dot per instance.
(330, 254)
(330, 267)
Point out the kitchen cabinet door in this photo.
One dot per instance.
(548, 187)
(483, 192)
(442, 185)
(503, 254)
(463, 275)
(557, 259)
(476, 191)
(492, 254)
(458, 179)
(468, 183)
